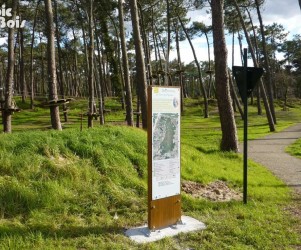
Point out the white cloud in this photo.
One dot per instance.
(200, 16)
(202, 52)
(187, 55)
(285, 12)
(284, 9)
(2, 40)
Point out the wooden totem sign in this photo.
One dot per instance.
(164, 175)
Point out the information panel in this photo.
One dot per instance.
(165, 142)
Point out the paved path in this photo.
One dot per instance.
(270, 152)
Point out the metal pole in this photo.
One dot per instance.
(245, 171)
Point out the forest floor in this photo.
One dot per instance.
(215, 191)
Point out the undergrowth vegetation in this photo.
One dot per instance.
(81, 189)
(295, 149)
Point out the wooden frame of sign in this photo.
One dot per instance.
(164, 171)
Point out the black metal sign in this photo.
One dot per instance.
(253, 76)
(246, 79)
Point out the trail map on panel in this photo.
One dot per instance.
(165, 142)
(166, 136)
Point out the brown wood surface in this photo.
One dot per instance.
(163, 212)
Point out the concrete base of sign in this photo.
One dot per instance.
(143, 234)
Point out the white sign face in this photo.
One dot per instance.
(166, 114)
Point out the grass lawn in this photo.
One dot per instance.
(295, 149)
(61, 190)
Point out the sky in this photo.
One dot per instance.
(285, 12)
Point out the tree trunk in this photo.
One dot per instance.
(206, 109)
(262, 90)
(42, 55)
(239, 36)
(235, 97)
(7, 114)
(22, 71)
(75, 67)
(140, 66)
(101, 87)
(128, 96)
(157, 53)
(258, 102)
(16, 82)
(146, 49)
(99, 93)
(266, 65)
(230, 76)
(31, 57)
(254, 34)
(52, 80)
(156, 44)
(259, 109)
(180, 67)
(209, 66)
(82, 21)
(59, 52)
(229, 134)
(166, 76)
(119, 77)
(91, 111)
